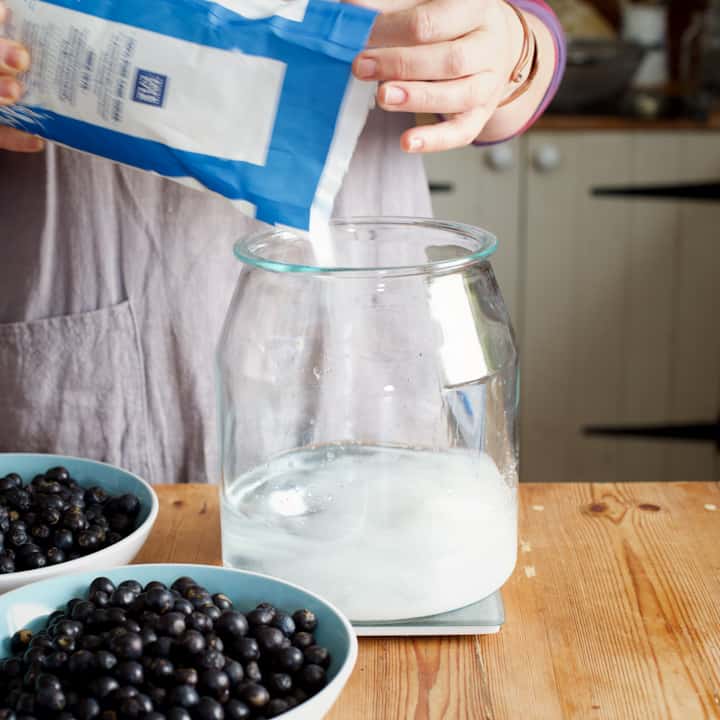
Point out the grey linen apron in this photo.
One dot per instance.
(113, 288)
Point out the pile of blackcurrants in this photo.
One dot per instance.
(53, 519)
(132, 652)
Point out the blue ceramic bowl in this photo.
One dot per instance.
(86, 473)
(27, 607)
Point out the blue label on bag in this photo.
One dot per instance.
(150, 88)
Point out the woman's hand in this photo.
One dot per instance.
(448, 57)
(14, 59)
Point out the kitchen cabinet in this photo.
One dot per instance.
(615, 300)
(482, 187)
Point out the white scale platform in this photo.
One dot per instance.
(483, 618)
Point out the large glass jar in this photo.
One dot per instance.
(368, 398)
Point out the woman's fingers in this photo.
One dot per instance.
(453, 96)
(457, 132)
(431, 22)
(444, 57)
(10, 90)
(14, 58)
(16, 141)
(443, 61)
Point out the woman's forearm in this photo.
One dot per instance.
(520, 114)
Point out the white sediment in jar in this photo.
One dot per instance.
(384, 533)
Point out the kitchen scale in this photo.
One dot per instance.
(482, 618)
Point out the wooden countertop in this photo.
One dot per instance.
(582, 123)
(613, 612)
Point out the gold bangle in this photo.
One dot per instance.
(526, 84)
(526, 68)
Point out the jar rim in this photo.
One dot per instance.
(248, 249)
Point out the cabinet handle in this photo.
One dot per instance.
(701, 191)
(691, 432)
(500, 158)
(436, 188)
(547, 158)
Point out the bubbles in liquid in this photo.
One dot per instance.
(288, 503)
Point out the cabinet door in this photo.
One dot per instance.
(694, 385)
(481, 186)
(617, 297)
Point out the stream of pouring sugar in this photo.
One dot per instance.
(320, 237)
(319, 242)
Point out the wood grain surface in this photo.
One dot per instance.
(613, 612)
(574, 123)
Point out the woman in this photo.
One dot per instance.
(114, 283)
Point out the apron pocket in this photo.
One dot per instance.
(75, 385)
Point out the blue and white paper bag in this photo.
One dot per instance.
(260, 108)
